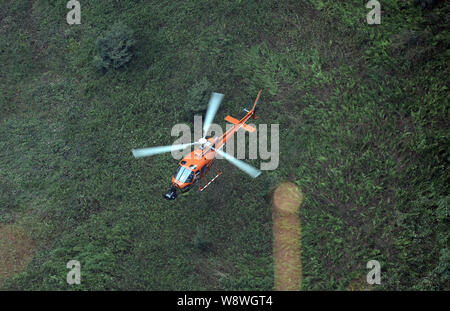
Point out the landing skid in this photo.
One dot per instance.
(200, 189)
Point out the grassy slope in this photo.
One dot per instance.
(363, 128)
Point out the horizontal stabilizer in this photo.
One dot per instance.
(246, 127)
(231, 120)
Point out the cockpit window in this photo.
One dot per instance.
(184, 175)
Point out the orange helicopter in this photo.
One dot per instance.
(195, 165)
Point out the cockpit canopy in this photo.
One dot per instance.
(183, 174)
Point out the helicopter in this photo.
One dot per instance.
(196, 164)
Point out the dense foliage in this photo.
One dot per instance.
(114, 47)
(196, 98)
(363, 113)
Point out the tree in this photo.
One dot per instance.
(197, 97)
(114, 47)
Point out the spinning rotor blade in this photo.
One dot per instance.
(250, 170)
(146, 152)
(213, 105)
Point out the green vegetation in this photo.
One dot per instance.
(196, 98)
(363, 114)
(201, 240)
(114, 47)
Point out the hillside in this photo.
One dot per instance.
(363, 114)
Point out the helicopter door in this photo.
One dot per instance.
(197, 175)
(203, 170)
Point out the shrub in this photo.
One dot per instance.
(201, 240)
(114, 47)
(412, 44)
(425, 4)
(197, 97)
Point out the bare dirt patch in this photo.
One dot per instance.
(16, 250)
(359, 284)
(286, 200)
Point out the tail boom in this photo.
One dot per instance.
(238, 124)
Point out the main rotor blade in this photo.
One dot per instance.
(213, 105)
(250, 170)
(146, 152)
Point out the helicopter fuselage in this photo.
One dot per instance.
(196, 164)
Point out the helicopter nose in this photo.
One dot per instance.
(171, 194)
(177, 183)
